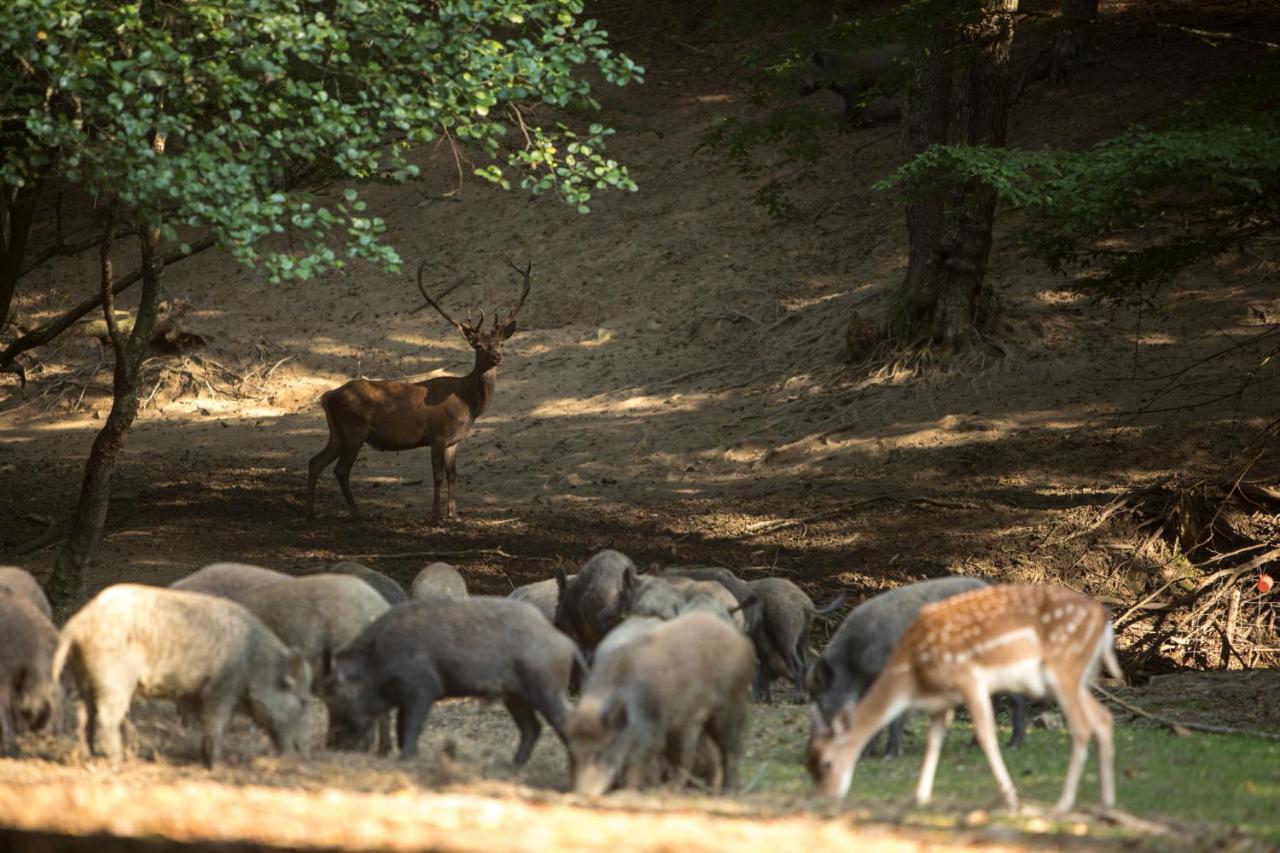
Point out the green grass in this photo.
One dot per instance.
(1219, 788)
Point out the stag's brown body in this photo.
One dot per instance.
(392, 415)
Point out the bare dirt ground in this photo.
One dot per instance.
(677, 390)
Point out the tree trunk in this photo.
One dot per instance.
(958, 95)
(95, 490)
(16, 215)
(1072, 39)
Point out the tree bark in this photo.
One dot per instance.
(1072, 39)
(16, 216)
(958, 95)
(87, 525)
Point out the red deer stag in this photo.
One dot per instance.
(437, 413)
(1013, 639)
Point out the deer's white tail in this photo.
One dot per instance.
(1109, 660)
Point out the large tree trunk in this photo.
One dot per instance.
(95, 490)
(1072, 39)
(958, 95)
(17, 212)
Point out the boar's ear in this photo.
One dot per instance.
(614, 715)
(296, 672)
(817, 725)
(819, 676)
(561, 580)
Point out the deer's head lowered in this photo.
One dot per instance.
(486, 343)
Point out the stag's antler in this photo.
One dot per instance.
(459, 326)
(523, 273)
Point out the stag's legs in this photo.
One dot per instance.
(451, 472)
(316, 466)
(437, 477)
(346, 459)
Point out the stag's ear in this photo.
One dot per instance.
(507, 329)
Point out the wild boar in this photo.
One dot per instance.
(424, 651)
(20, 583)
(438, 580)
(654, 698)
(316, 615)
(861, 647)
(751, 618)
(866, 80)
(174, 644)
(788, 617)
(592, 604)
(229, 580)
(543, 595)
(702, 593)
(387, 587)
(28, 694)
(649, 596)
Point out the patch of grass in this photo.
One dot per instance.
(1203, 786)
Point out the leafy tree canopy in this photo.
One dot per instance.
(1140, 206)
(221, 114)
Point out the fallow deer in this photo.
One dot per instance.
(1015, 639)
(436, 413)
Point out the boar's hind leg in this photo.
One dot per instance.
(8, 728)
(386, 741)
(527, 721)
(215, 711)
(725, 728)
(110, 706)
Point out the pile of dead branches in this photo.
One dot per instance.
(1218, 538)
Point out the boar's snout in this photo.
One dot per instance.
(591, 779)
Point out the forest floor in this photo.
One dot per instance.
(679, 390)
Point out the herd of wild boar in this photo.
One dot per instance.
(662, 664)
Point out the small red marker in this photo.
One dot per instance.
(1265, 582)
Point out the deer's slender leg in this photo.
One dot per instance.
(978, 700)
(933, 748)
(342, 471)
(1071, 695)
(1100, 717)
(437, 477)
(451, 472)
(316, 466)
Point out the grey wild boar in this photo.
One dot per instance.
(421, 652)
(387, 587)
(701, 594)
(592, 603)
(707, 766)
(866, 80)
(653, 699)
(171, 644)
(438, 580)
(861, 647)
(28, 694)
(650, 596)
(229, 580)
(543, 595)
(788, 617)
(316, 615)
(20, 583)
